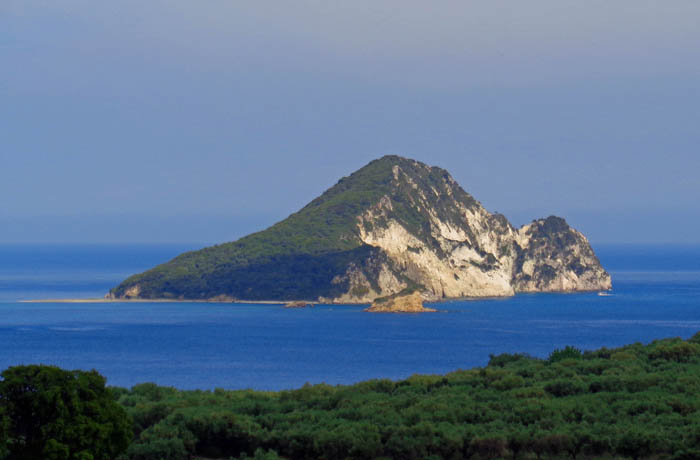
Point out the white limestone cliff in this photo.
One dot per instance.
(480, 255)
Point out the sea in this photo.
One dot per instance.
(656, 294)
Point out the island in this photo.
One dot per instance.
(395, 225)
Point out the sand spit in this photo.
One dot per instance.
(103, 300)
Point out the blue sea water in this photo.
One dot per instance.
(193, 345)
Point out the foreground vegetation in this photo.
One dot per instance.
(637, 401)
(53, 414)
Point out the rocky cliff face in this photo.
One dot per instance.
(395, 224)
(462, 250)
(553, 257)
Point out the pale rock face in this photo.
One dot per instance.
(361, 290)
(480, 255)
(558, 259)
(458, 275)
(529, 267)
(133, 292)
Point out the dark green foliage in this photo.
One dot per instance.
(159, 448)
(555, 231)
(50, 413)
(299, 257)
(261, 454)
(553, 225)
(545, 272)
(507, 358)
(633, 402)
(674, 350)
(565, 387)
(567, 352)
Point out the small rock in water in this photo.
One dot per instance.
(297, 304)
(409, 303)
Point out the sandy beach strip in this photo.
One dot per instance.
(104, 300)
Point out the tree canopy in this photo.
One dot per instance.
(54, 414)
(637, 401)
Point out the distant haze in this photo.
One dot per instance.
(200, 121)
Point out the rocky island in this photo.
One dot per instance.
(399, 303)
(395, 225)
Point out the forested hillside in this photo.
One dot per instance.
(638, 401)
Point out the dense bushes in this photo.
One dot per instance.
(634, 402)
(50, 413)
(638, 401)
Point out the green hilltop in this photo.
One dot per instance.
(299, 257)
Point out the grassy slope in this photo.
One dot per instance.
(637, 401)
(309, 247)
(298, 257)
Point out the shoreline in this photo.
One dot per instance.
(103, 300)
(285, 302)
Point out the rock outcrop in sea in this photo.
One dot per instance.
(398, 303)
(394, 225)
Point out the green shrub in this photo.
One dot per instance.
(638, 400)
(562, 387)
(52, 413)
(567, 352)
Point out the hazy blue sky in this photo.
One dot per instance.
(199, 121)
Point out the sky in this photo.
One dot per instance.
(201, 121)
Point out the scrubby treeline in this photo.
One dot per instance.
(49, 413)
(638, 401)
